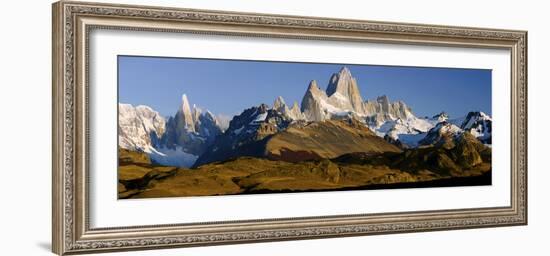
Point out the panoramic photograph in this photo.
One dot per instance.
(208, 127)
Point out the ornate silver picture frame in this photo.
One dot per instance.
(74, 21)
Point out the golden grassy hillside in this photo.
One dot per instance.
(245, 175)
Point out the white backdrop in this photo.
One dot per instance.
(25, 100)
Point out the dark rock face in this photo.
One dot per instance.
(442, 135)
(207, 127)
(191, 142)
(478, 124)
(245, 134)
(191, 130)
(395, 142)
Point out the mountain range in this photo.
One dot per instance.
(327, 124)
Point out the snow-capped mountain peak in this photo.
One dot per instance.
(478, 124)
(441, 134)
(440, 117)
(408, 131)
(139, 127)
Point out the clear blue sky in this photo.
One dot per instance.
(229, 86)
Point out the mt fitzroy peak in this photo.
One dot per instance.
(342, 98)
(343, 85)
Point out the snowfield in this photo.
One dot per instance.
(172, 157)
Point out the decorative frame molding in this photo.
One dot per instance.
(72, 22)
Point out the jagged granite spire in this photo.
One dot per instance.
(295, 112)
(314, 103)
(279, 103)
(343, 91)
(384, 103)
(186, 120)
(338, 82)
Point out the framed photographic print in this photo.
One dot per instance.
(179, 127)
